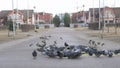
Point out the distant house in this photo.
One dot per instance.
(81, 16)
(3, 17)
(1, 22)
(107, 14)
(15, 16)
(43, 17)
(28, 16)
(18, 16)
(117, 14)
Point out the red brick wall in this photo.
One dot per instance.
(47, 17)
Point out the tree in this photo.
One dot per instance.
(67, 19)
(10, 26)
(56, 21)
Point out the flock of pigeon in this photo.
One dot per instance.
(72, 51)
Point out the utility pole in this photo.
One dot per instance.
(84, 14)
(71, 18)
(115, 22)
(27, 16)
(104, 14)
(99, 16)
(108, 20)
(114, 11)
(13, 19)
(93, 13)
(35, 18)
(27, 12)
(77, 13)
(103, 20)
(17, 14)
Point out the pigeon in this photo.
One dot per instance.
(30, 44)
(34, 54)
(102, 44)
(66, 44)
(61, 38)
(36, 31)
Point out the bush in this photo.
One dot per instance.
(47, 26)
(75, 26)
(37, 26)
(95, 26)
(3, 27)
(81, 21)
(10, 25)
(26, 27)
(113, 25)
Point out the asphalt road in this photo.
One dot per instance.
(20, 55)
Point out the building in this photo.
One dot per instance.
(18, 16)
(117, 14)
(107, 14)
(80, 17)
(43, 17)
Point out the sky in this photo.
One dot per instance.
(56, 6)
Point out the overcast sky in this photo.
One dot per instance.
(56, 6)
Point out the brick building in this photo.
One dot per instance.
(79, 17)
(43, 17)
(18, 16)
(107, 14)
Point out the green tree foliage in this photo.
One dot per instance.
(56, 21)
(67, 19)
(10, 26)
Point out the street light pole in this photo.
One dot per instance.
(104, 14)
(84, 15)
(28, 12)
(13, 19)
(17, 14)
(99, 16)
(77, 12)
(35, 17)
(93, 12)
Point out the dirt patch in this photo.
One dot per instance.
(95, 33)
(108, 36)
(5, 38)
(115, 39)
(19, 34)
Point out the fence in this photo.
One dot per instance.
(26, 27)
(95, 26)
(46, 25)
(3, 28)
